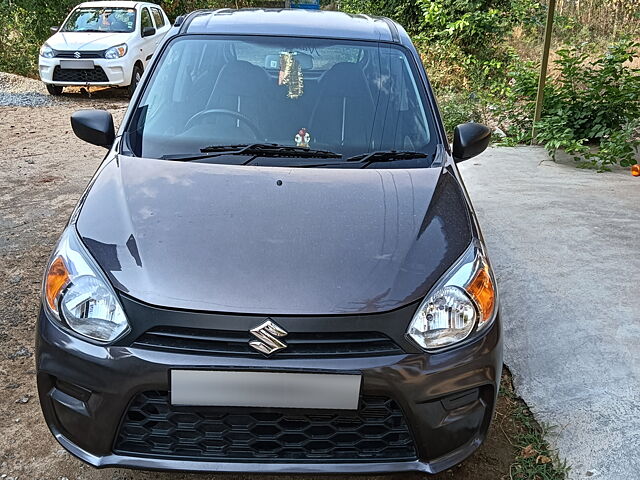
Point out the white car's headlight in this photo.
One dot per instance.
(46, 51)
(79, 296)
(116, 52)
(461, 304)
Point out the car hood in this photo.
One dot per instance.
(86, 40)
(271, 240)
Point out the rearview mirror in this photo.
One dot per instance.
(54, 29)
(148, 31)
(469, 140)
(94, 127)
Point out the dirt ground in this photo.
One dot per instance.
(44, 169)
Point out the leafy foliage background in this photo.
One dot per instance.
(482, 59)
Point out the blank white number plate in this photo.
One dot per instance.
(76, 64)
(265, 389)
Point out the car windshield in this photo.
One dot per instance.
(349, 98)
(101, 20)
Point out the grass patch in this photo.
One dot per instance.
(515, 447)
(534, 459)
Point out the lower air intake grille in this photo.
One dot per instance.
(375, 432)
(95, 74)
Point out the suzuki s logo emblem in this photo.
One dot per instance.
(77, 54)
(268, 335)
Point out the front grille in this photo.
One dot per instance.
(95, 74)
(83, 54)
(236, 343)
(375, 432)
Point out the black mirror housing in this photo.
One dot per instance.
(54, 29)
(469, 140)
(94, 127)
(148, 31)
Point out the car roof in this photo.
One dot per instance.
(114, 4)
(294, 22)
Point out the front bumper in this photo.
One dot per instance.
(118, 72)
(447, 399)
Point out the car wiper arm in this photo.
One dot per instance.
(275, 150)
(225, 148)
(385, 156)
(254, 150)
(219, 149)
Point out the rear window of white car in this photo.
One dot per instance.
(157, 16)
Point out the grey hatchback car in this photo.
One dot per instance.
(276, 268)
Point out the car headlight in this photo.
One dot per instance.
(46, 51)
(460, 306)
(77, 294)
(116, 52)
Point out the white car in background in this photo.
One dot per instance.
(102, 43)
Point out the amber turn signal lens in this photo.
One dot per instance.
(482, 290)
(57, 279)
(635, 170)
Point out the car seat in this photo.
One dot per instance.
(343, 114)
(241, 87)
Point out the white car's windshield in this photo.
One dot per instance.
(346, 97)
(101, 20)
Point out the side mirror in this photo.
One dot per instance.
(148, 31)
(54, 29)
(94, 127)
(469, 140)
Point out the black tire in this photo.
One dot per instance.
(135, 79)
(54, 89)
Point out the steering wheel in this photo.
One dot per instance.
(229, 113)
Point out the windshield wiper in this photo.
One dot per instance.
(255, 150)
(385, 156)
(225, 148)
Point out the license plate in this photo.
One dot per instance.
(217, 388)
(76, 64)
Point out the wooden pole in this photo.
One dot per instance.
(543, 66)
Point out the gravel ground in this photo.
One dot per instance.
(43, 170)
(17, 91)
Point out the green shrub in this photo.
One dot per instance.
(592, 108)
(477, 27)
(517, 102)
(457, 108)
(25, 26)
(407, 13)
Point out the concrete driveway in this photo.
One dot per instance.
(565, 244)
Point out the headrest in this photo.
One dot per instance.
(241, 78)
(345, 79)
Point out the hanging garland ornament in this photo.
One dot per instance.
(291, 74)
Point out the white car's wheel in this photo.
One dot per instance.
(135, 79)
(54, 89)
